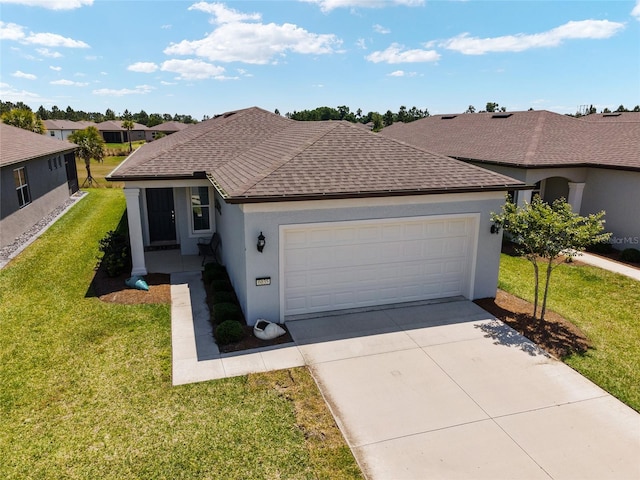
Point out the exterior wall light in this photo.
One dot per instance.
(261, 242)
(495, 228)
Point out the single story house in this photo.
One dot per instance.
(348, 218)
(167, 128)
(61, 129)
(37, 175)
(112, 132)
(592, 161)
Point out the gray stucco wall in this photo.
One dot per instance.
(48, 189)
(264, 301)
(616, 192)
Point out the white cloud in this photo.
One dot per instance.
(139, 90)
(45, 52)
(52, 4)
(361, 43)
(402, 73)
(143, 67)
(223, 15)
(395, 54)
(192, 69)
(255, 43)
(162, 82)
(584, 29)
(10, 94)
(54, 40)
(329, 5)
(57, 69)
(636, 11)
(27, 76)
(166, 27)
(380, 29)
(11, 31)
(68, 83)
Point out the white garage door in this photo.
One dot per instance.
(333, 266)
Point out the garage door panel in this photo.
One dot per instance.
(329, 267)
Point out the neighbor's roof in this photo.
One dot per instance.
(116, 125)
(169, 127)
(529, 139)
(19, 145)
(255, 155)
(66, 124)
(612, 117)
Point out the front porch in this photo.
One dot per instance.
(171, 261)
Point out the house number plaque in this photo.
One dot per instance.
(261, 282)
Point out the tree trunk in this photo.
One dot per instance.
(87, 164)
(536, 277)
(546, 289)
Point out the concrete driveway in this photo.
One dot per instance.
(446, 391)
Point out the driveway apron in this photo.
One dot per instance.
(445, 390)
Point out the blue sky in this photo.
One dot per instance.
(205, 58)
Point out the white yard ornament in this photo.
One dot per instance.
(266, 330)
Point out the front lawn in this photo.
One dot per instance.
(605, 306)
(85, 387)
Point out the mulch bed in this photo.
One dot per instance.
(113, 289)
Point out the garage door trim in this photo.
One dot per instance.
(474, 219)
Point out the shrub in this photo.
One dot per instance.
(227, 311)
(221, 285)
(229, 331)
(116, 255)
(224, 297)
(600, 247)
(630, 255)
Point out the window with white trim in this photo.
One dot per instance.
(22, 187)
(200, 209)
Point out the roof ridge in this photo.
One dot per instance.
(284, 159)
(532, 148)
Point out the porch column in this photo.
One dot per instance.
(575, 196)
(135, 231)
(523, 196)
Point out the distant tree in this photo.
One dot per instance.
(359, 113)
(276, 111)
(543, 232)
(128, 126)
(109, 114)
(155, 119)
(636, 108)
(167, 118)
(25, 119)
(70, 114)
(471, 109)
(56, 113)
(378, 122)
(388, 118)
(402, 115)
(621, 109)
(141, 117)
(43, 113)
(606, 110)
(90, 145)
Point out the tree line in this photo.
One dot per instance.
(55, 113)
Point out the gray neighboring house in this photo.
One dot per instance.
(61, 129)
(167, 128)
(112, 132)
(349, 218)
(592, 161)
(37, 175)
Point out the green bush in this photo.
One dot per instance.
(600, 247)
(227, 311)
(221, 285)
(630, 255)
(229, 331)
(224, 297)
(116, 256)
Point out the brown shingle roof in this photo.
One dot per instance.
(19, 145)
(254, 155)
(116, 125)
(525, 139)
(169, 127)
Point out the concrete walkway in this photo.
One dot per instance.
(612, 266)
(439, 390)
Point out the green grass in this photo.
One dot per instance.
(605, 306)
(99, 171)
(85, 387)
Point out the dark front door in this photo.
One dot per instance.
(162, 218)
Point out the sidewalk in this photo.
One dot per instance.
(610, 265)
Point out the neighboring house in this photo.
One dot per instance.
(61, 129)
(592, 161)
(167, 128)
(37, 175)
(112, 132)
(349, 218)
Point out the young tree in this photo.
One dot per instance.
(90, 145)
(543, 232)
(128, 126)
(25, 119)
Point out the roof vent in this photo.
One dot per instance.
(617, 114)
(227, 115)
(501, 115)
(448, 117)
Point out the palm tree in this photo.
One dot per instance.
(90, 145)
(25, 119)
(128, 125)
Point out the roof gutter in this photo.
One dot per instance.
(551, 165)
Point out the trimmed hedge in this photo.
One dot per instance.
(227, 311)
(229, 331)
(224, 297)
(630, 255)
